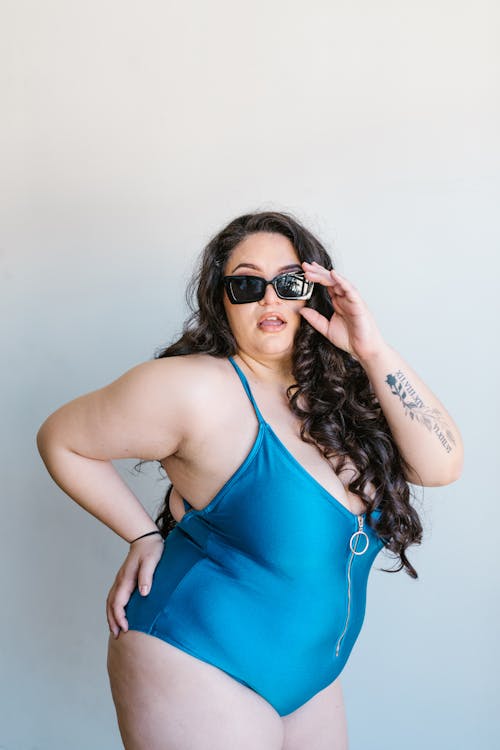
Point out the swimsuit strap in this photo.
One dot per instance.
(248, 391)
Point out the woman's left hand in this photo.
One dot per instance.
(352, 327)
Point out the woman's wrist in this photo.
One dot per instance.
(372, 360)
(155, 532)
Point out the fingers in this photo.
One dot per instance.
(113, 625)
(138, 570)
(145, 577)
(318, 321)
(118, 597)
(337, 283)
(150, 558)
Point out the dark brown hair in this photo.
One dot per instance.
(339, 411)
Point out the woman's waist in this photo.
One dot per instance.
(302, 567)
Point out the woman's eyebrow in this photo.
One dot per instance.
(256, 268)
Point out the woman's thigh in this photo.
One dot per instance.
(319, 724)
(166, 699)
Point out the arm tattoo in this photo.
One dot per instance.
(415, 407)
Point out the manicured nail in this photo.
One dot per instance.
(144, 589)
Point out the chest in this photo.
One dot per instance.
(225, 436)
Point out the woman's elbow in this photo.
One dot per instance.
(437, 476)
(447, 475)
(456, 465)
(44, 437)
(450, 476)
(39, 439)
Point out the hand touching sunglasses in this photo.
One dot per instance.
(291, 285)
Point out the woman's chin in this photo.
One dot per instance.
(274, 345)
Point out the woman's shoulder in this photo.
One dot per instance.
(196, 374)
(198, 387)
(192, 364)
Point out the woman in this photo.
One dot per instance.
(290, 430)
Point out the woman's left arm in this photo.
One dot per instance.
(425, 433)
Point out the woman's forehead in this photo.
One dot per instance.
(262, 250)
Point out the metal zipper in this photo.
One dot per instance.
(353, 544)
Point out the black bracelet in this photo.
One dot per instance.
(143, 535)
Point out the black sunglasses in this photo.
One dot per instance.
(291, 285)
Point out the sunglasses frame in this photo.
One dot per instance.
(227, 285)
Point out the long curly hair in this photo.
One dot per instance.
(339, 412)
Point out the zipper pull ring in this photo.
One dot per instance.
(354, 539)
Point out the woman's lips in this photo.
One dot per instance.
(271, 324)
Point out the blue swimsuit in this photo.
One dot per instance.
(268, 581)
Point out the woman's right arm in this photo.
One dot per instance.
(140, 415)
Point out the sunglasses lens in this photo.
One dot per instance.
(247, 288)
(293, 286)
(252, 288)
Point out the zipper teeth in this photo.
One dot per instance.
(341, 636)
(348, 606)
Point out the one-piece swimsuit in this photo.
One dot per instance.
(268, 581)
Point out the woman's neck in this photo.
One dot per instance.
(275, 373)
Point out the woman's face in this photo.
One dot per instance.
(264, 329)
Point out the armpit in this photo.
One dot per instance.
(176, 505)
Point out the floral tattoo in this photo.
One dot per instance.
(414, 407)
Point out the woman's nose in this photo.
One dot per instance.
(270, 297)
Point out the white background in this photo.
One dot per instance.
(130, 133)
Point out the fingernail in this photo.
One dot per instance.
(144, 589)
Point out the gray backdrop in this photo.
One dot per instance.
(130, 133)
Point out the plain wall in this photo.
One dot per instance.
(130, 133)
